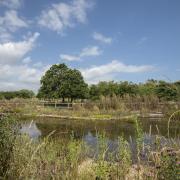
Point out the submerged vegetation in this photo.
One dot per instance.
(49, 158)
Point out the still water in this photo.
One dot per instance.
(87, 130)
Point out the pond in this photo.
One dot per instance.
(87, 130)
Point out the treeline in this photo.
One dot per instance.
(25, 94)
(62, 82)
(161, 89)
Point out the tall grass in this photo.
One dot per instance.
(8, 131)
(24, 158)
(110, 106)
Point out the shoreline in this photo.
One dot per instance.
(124, 117)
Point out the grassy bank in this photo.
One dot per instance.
(106, 108)
(23, 158)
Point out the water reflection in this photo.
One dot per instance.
(87, 130)
(31, 129)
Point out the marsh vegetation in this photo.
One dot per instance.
(50, 157)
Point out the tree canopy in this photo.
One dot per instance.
(25, 94)
(161, 89)
(62, 82)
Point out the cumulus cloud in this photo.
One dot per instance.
(9, 23)
(96, 73)
(12, 52)
(20, 77)
(85, 52)
(13, 4)
(65, 15)
(101, 38)
(16, 72)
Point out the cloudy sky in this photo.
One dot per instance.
(105, 39)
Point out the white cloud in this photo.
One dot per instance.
(96, 73)
(90, 51)
(13, 4)
(86, 52)
(65, 15)
(67, 57)
(12, 21)
(102, 38)
(16, 72)
(12, 52)
(20, 77)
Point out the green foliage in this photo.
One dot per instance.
(166, 91)
(152, 88)
(49, 158)
(8, 132)
(44, 159)
(94, 92)
(124, 157)
(63, 82)
(147, 88)
(139, 133)
(126, 87)
(25, 94)
(52, 81)
(169, 168)
(102, 168)
(112, 88)
(139, 140)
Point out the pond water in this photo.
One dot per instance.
(87, 130)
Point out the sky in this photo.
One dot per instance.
(120, 40)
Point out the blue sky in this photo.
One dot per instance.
(106, 40)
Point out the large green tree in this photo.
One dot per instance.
(62, 82)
